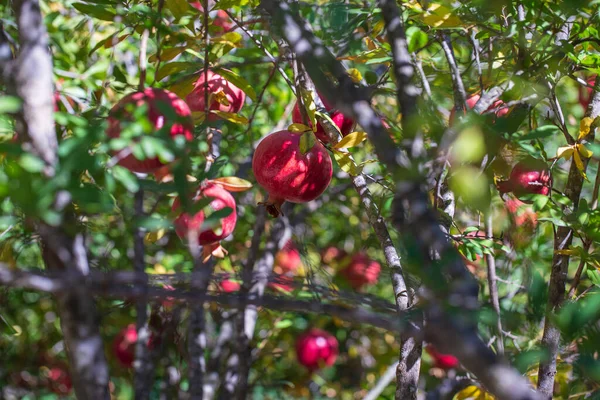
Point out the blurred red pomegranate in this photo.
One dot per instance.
(60, 381)
(443, 361)
(316, 348)
(220, 17)
(497, 106)
(287, 259)
(530, 176)
(343, 122)
(229, 286)
(361, 271)
(332, 254)
(282, 283)
(222, 95)
(124, 345)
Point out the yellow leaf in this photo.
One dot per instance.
(183, 87)
(351, 140)
(579, 164)
(568, 252)
(152, 237)
(565, 152)
(309, 106)
(231, 38)
(346, 163)
(473, 392)
(220, 97)
(585, 126)
(584, 151)
(370, 43)
(198, 117)
(299, 128)
(167, 54)
(231, 117)
(233, 183)
(355, 75)
(438, 16)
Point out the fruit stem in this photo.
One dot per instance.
(273, 206)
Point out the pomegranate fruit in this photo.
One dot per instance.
(361, 271)
(528, 177)
(222, 95)
(229, 286)
(124, 345)
(287, 259)
(443, 361)
(60, 381)
(288, 175)
(498, 106)
(208, 237)
(524, 222)
(316, 348)
(154, 99)
(220, 18)
(343, 122)
(332, 254)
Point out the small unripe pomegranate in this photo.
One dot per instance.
(229, 286)
(222, 95)
(528, 177)
(361, 271)
(500, 109)
(208, 237)
(316, 348)
(287, 259)
(288, 175)
(60, 381)
(155, 100)
(343, 122)
(443, 361)
(124, 345)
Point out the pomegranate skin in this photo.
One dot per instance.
(316, 348)
(288, 175)
(221, 199)
(343, 122)
(228, 286)
(443, 361)
(361, 271)
(528, 177)
(124, 345)
(60, 381)
(216, 83)
(221, 18)
(150, 97)
(287, 259)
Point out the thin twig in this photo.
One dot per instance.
(492, 283)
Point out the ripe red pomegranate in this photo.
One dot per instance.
(443, 361)
(154, 99)
(585, 93)
(528, 177)
(287, 259)
(124, 345)
(288, 175)
(282, 283)
(344, 123)
(229, 286)
(60, 381)
(361, 271)
(316, 348)
(208, 237)
(524, 222)
(217, 86)
(221, 19)
(500, 109)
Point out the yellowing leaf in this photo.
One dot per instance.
(231, 117)
(355, 75)
(231, 38)
(380, 54)
(220, 97)
(152, 237)
(183, 87)
(473, 393)
(299, 128)
(178, 7)
(351, 140)
(233, 183)
(565, 152)
(437, 16)
(309, 106)
(198, 117)
(370, 43)
(167, 54)
(585, 126)
(346, 163)
(584, 151)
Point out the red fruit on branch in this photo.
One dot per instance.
(530, 176)
(316, 348)
(207, 236)
(282, 283)
(498, 106)
(155, 100)
(288, 175)
(124, 345)
(343, 122)
(443, 361)
(287, 259)
(60, 381)
(524, 221)
(332, 254)
(361, 271)
(229, 286)
(220, 19)
(222, 95)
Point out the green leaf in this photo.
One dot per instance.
(126, 178)
(351, 140)
(178, 7)
(10, 104)
(538, 133)
(172, 68)
(31, 163)
(237, 81)
(283, 324)
(307, 141)
(231, 117)
(346, 163)
(97, 11)
(416, 38)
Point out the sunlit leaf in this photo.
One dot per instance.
(346, 163)
(178, 7)
(307, 141)
(355, 75)
(351, 140)
(233, 183)
(299, 128)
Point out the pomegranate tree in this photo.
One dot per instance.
(343, 122)
(207, 236)
(155, 100)
(288, 175)
(287, 259)
(361, 271)
(316, 348)
(530, 176)
(443, 361)
(222, 95)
